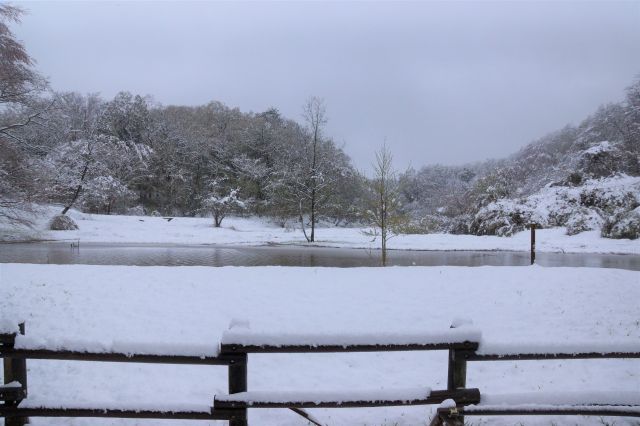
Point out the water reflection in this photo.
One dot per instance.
(180, 255)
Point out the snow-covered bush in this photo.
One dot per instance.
(579, 208)
(138, 210)
(625, 225)
(427, 224)
(502, 218)
(612, 199)
(601, 160)
(220, 205)
(106, 194)
(460, 225)
(583, 219)
(62, 222)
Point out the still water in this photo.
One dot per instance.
(208, 255)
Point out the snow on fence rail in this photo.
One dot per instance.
(463, 344)
(538, 351)
(252, 342)
(116, 347)
(610, 404)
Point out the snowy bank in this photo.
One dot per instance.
(187, 307)
(256, 232)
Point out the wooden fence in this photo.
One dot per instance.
(233, 407)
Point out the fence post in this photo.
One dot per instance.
(533, 243)
(15, 370)
(457, 372)
(456, 377)
(238, 383)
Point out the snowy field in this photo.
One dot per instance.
(255, 232)
(112, 306)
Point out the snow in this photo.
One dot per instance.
(8, 327)
(562, 205)
(585, 400)
(561, 398)
(319, 397)
(349, 339)
(561, 199)
(461, 322)
(259, 232)
(513, 306)
(120, 347)
(566, 408)
(603, 146)
(162, 407)
(571, 347)
(11, 385)
(447, 403)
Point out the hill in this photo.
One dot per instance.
(582, 177)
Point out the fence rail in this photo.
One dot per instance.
(235, 357)
(18, 415)
(63, 355)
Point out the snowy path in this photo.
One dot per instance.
(194, 306)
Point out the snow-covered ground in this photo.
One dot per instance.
(255, 231)
(117, 306)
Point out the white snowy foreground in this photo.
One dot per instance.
(256, 232)
(189, 308)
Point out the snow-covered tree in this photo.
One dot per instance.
(21, 105)
(126, 117)
(105, 194)
(220, 202)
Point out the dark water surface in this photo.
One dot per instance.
(207, 255)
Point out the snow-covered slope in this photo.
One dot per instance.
(598, 204)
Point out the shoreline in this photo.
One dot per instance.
(305, 246)
(259, 232)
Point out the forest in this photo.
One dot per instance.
(132, 155)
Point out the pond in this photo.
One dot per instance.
(211, 255)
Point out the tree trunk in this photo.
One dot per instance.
(384, 250)
(78, 189)
(313, 188)
(304, 231)
(383, 224)
(217, 219)
(313, 214)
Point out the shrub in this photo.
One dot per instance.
(625, 225)
(62, 222)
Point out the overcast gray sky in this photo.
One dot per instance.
(443, 82)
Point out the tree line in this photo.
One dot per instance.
(128, 155)
(132, 155)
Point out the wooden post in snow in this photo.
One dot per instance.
(238, 383)
(15, 370)
(456, 375)
(533, 243)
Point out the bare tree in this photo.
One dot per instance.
(315, 116)
(384, 214)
